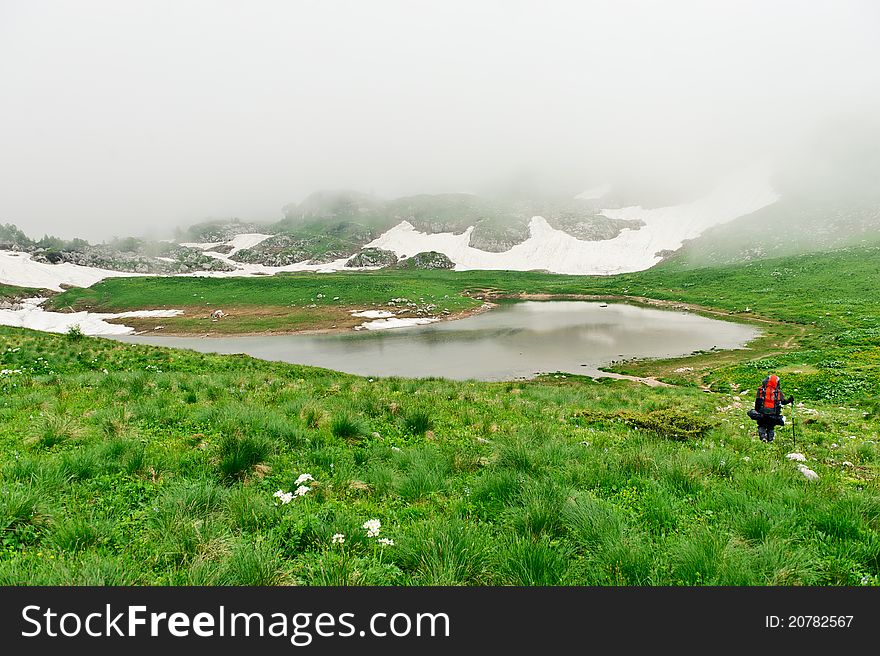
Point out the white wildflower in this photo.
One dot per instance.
(338, 538)
(302, 490)
(303, 478)
(373, 527)
(386, 542)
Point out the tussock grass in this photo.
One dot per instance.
(495, 490)
(346, 427)
(238, 455)
(79, 532)
(522, 561)
(19, 506)
(593, 523)
(539, 511)
(424, 474)
(252, 564)
(418, 421)
(249, 510)
(450, 553)
(54, 429)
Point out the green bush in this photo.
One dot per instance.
(667, 422)
(75, 333)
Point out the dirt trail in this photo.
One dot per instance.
(650, 381)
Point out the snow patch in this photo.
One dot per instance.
(385, 324)
(373, 314)
(31, 315)
(248, 240)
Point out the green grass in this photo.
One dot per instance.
(283, 290)
(136, 465)
(12, 293)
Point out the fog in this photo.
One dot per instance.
(133, 117)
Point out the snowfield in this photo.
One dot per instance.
(31, 315)
(556, 251)
(20, 270)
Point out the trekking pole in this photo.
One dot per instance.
(793, 436)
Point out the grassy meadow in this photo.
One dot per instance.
(137, 465)
(12, 293)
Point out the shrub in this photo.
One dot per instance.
(75, 333)
(667, 422)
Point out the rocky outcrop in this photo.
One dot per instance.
(177, 259)
(280, 250)
(427, 260)
(219, 231)
(372, 257)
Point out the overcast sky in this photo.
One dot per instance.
(118, 117)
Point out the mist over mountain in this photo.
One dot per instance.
(135, 118)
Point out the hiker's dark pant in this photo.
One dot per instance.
(766, 424)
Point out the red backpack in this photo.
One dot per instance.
(768, 399)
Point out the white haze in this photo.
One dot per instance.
(132, 117)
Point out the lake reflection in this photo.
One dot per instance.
(513, 340)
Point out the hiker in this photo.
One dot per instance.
(768, 407)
